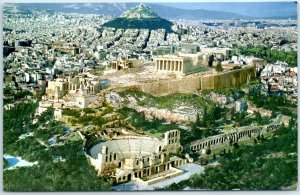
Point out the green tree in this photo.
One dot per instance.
(270, 55)
(198, 122)
(291, 122)
(219, 67)
(236, 145)
(205, 117)
(273, 115)
(208, 151)
(203, 161)
(211, 60)
(232, 113)
(258, 117)
(254, 141)
(214, 156)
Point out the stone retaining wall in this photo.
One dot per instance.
(234, 78)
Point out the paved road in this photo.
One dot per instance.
(189, 169)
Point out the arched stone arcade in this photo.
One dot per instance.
(234, 135)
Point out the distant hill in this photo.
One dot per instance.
(199, 14)
(140, 17)
(15, 9)
(263, 9)
(294, 17)
(26, 10)
(171, 11)
(116, 9)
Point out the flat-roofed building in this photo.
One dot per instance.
(226, 52)
(163, 50)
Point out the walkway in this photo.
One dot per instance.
(189, 169)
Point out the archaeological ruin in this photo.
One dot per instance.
(235, 135)
(139, 158)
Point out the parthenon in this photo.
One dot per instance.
(179, 64)
(169, 64)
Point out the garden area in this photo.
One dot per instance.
(270, 55)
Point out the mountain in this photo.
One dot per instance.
(116, 9)
(141, 11)
(199, 14)
(14, 9)
(18, 9)
(140, 17)
(171, 11)
(262, 9)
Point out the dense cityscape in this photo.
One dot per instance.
(140, 102)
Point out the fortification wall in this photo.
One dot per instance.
(234, 78)
(187, 85)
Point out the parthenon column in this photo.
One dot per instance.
(159, 63)
(180, 66)
(167, 64)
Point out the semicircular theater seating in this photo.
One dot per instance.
(131, 146)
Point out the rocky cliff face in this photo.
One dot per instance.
(182, 113)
